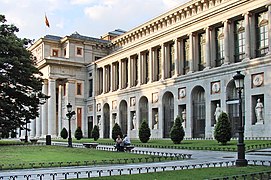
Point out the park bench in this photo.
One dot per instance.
(90, 145)
(127, 148)
(34, 141)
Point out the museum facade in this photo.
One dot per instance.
(179, 63)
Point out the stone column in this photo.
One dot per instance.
(163, 61)
(104, 80)
(207, 48)
(120, 75)
(176, 53)
(32, 128)
(150, 65)
(269, 29)
(60, 87)
(44, 111)
(70, 89)
(129, 72)
(247, 36)
(38, 124)
(140, 70)
(52, 108)
(191, 54)
(226, 42)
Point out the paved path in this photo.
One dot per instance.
(199, 159)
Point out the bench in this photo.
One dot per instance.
(34, 141)
(127, 148)
(90, 145)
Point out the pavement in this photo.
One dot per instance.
(199, 159)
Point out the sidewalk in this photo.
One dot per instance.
(199, 159)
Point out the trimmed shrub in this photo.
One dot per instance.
(116, 131)
(95, 133)
(144, 132)
(177, 131)
(222, 131)
(78, 133)
(64, 133)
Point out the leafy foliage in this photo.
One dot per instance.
(78, 133)
(21, 83)
(116, 131)
(177, 131)
(64, 133)
(222, 131)
(144, 132)
(95, 133)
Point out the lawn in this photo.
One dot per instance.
(46, 156)
(196, 174)
(188, 144)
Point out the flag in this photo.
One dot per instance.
(46, 21)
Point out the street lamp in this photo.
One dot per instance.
(69, 115)
(239, 83)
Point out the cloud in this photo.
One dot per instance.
(81, 2)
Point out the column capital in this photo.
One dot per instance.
(227, 21)
(72, 81)
(247, 13)
(208, 28)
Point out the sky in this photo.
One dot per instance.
(87, 17)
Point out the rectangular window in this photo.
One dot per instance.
(64, 52)
(262, 34)
(79, 51)
(239, 40)
(202, 50)
(220, 47)
(55, 52)
(79, 89)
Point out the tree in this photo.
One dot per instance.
(144, 132)
(116, 131)
(64, 133)
(21, 82)
(78, 133)
(95, 133)
(177, 131)
(222, 131)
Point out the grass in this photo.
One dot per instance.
(45, 156)
(195, 174)
(188, 144)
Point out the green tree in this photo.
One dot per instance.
(95, 133)
(116, 131)
(64, 133)
(78, 133)
(21, 82)
(177, 131)
(144, 132)
(222, 131)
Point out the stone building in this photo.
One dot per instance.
(179, 63)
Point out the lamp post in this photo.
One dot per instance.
(239, 83)
(69, 115)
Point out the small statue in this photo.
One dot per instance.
(218, 111)
(259, 110)
(134, 121)
(155, 126)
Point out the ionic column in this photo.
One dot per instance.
(226, 42)
(207, 48)
(163, 61)
(191, 54)
(52, 108)
(60, 108)
(176, 53)
(32, 128)
(129, 72)
(104, 80)
(120, 74)
(38, 124)
(247, 35)
(44, 111)
(150, 65)
(269, 28)
(140, 70)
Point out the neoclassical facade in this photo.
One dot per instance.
(180, 63)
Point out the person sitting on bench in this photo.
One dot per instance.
(119, 144)
(126, 141)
